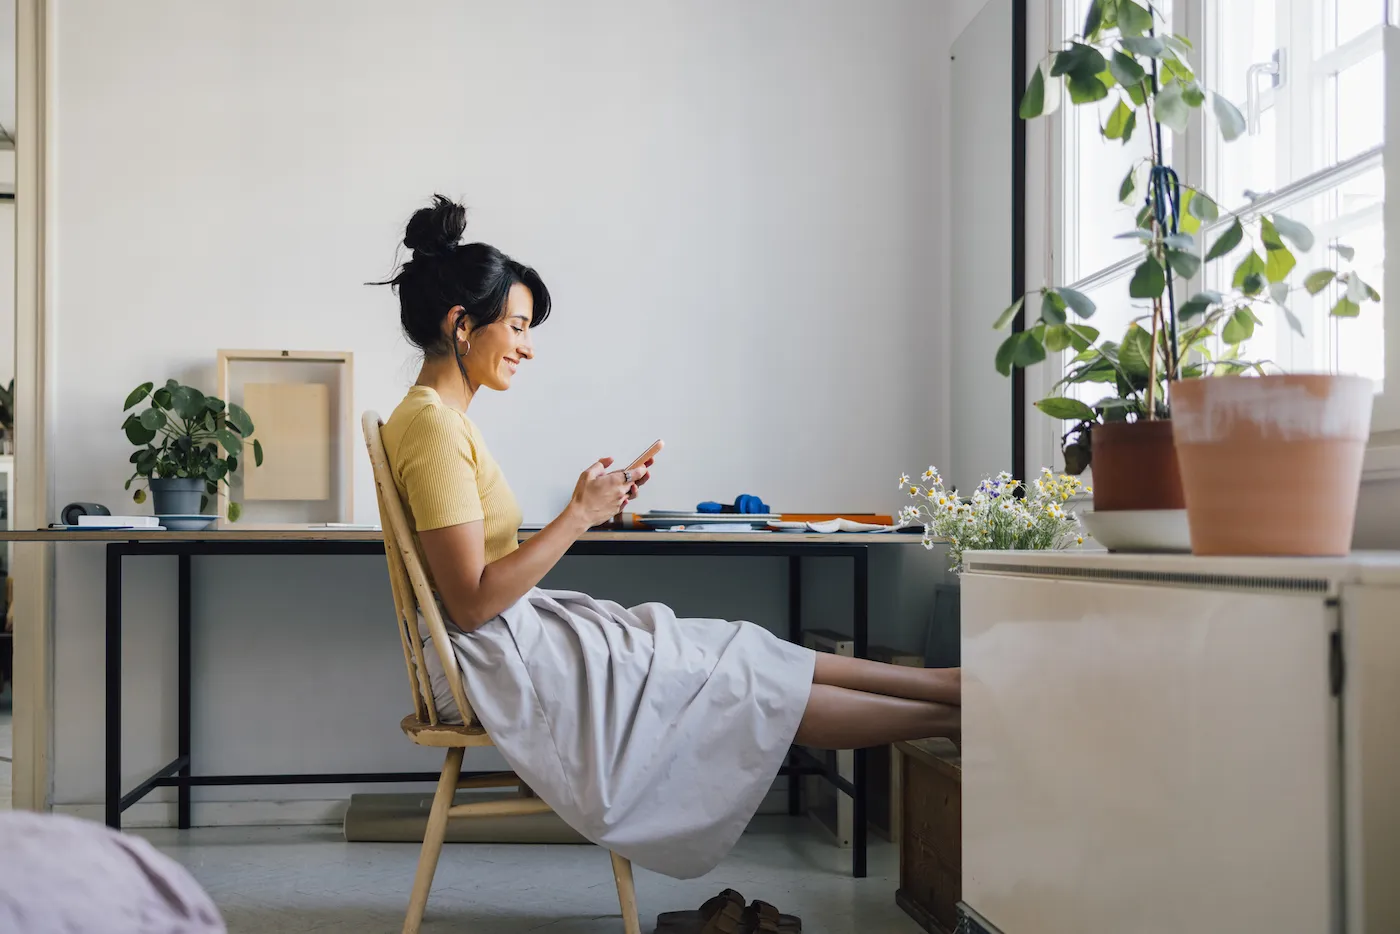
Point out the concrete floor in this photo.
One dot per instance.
(291, 880)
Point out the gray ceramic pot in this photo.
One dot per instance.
(177, 496)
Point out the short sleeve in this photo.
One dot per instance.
(437, 465)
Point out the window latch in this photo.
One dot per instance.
(1255, 104)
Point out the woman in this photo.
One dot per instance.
(652, 736)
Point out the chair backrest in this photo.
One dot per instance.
(412, 593)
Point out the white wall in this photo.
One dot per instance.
(980, 167)
(737, 208)
(961, 13)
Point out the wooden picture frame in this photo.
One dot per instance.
(315, 418)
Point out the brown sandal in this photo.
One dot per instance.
(723, 914)
(763, 918)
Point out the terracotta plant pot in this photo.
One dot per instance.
(1135, 467)
(1271, 465)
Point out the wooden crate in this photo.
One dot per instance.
(930, 841)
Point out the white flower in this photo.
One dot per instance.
(903, 480)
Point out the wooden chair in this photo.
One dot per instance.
(412, 594)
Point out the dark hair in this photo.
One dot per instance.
(443, 273)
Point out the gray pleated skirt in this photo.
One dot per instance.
(652, 736)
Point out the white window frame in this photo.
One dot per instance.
(1049, 195)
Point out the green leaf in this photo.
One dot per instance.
(1094, 20)
(1052, 307)
(213, 404)
(1135, 353)
(1193, 94)
(1251, 265)
(161, 398)
(1180, 241)
(146, 463)
(1356, 289)
(1133, 20)
(1345, 252)
(171, 385)
(1345, 308)
(1029, 350)
(1177, 44)
(1006, 353)
(1182, 263)
(1085, 89)
(1081, 303)
(216, 471)
(1129, 185)
(187, 402)
(1239, 328)
(1178, 69)
(231, 442)
(239, 420)
(137, 394)
(1138, 92)
(1120, 123)
(1069, 410)
(1280, 264)
(1229, 117)
(1082, 336)
(1297, 234)
(1269, 235)
(1318, 280)
(1079, 59)
(1278, 294)
(139, 496)
(1198, 304)
(1186, 223)
(1144, 217)
(1033, 101)
(1005, 317)
(1126, 69)
(1172, 109)
(136, 432)
(1057, 338)
(234, 511)
(1143, 45)
(1201, 206)
(153, 419)
(1144, 236)
(1227, 241)
(1149, 280)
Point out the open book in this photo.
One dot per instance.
(831, 525)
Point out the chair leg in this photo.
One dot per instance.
(432, 841)
(626, 894)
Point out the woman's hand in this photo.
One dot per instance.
(599, 494)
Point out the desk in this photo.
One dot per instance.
(121, 543)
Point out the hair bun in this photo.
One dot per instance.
(436, 230)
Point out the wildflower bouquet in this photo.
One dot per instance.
(994, 519)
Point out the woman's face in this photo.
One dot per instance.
(498, 349)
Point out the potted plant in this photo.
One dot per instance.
(1162, 434)
(187, 444)
(1001, 515)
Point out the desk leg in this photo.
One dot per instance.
(114, 687)
(862, 650)
(795, 637)
(184, 698)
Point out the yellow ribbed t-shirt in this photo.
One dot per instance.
(444, 474)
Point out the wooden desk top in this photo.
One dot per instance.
(941, 754)
(369, 535)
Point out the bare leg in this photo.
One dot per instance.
(840, 718)
(940, 685)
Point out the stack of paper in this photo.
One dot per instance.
(119, 522)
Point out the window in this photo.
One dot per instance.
(1310, 77)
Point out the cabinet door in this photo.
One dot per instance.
(1147, 758)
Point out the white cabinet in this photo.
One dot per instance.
(1169, 744)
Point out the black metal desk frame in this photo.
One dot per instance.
(179, 772)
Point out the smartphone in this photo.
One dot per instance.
(646, 455)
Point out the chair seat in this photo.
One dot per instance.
(444, 735)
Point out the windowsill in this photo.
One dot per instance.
(1382, 462)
